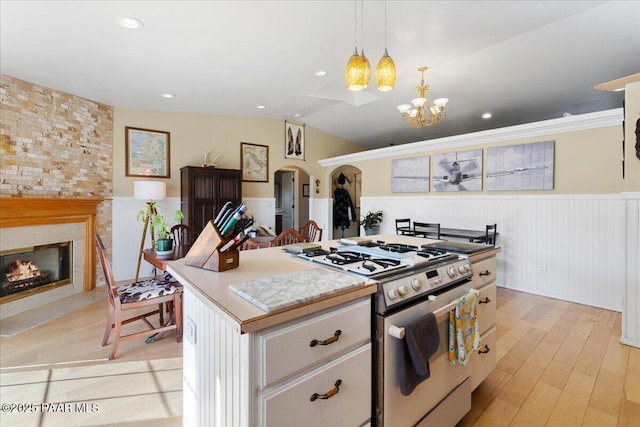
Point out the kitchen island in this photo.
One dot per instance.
(307, 364)
(244, 366)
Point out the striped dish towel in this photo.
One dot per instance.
(464, 333)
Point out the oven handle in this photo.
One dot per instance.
(399, 332)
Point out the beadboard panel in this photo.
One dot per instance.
(566, 247)
(220, 391)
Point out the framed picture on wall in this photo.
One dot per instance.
(293, 141)
(305, 190)
(147, 152)
(255, 162)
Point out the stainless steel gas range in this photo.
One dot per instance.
(412, 281)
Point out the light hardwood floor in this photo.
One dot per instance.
(559, 364)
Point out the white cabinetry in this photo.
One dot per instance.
(267, 378)
(484, 280)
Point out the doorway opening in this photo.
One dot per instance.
(346, 190)
(291, 191)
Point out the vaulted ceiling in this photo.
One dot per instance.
(523, 61)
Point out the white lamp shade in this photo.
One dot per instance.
(413, 113)
(418, 102)
(150, 190)
(404, 108)
(440, 102)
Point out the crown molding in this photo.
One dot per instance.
(579, 122)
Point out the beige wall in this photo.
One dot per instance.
(192, 135)
(586, 162)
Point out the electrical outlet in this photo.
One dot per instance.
(189, 330)
(542, 269)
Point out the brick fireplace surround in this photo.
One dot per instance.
(25, 212)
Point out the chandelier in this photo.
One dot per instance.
(423, 112)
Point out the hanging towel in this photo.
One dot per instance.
(420, 342)
(464, 333)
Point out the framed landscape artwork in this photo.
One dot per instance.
(147, 153)
(255, 162)
(293, 141)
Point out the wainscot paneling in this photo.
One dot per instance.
(571, 247)
(631, 312)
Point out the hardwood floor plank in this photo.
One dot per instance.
(498, 414)
(616, 356)
(595, 418)
(556, 374)
(607, 392)
(573, 401)
(523, 381)
(629, 414)
(570, 350)
(536, 409)
(592, 353)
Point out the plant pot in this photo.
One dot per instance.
(372, 230)
(163, 245)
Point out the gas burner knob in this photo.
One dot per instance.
(462, 269)
(451, 271)
(416, 284)
(403, 290)
(393, 293)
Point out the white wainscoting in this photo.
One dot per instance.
(631, 311)
(570, 247)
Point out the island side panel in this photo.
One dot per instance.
(216, 368)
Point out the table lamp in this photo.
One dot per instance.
(151, 191)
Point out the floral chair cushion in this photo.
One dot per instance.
(146, 289)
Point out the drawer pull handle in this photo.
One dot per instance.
(328, 341)
(486, 300)
(485, 350)
(485, 273)
(328, 394)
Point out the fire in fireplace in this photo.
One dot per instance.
(28, 270)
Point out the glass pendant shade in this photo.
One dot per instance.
(418, 102)
(367, 69)
(440, 102)
(385, 73)
(404, 108)
(354, 74)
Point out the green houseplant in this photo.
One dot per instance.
(161, 228)
(371, 222)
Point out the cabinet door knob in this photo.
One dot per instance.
(486, 300)
(328, 341)
(485, 350)
(485, 273)
(328, 394)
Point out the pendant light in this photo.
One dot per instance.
(386, 69)
(354, 73)
(365, 62)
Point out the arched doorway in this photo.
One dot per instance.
(346, 188)
(291, 191)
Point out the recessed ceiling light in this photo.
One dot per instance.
(168, 95)
(296, 115)
(486, 116)
(130, 22)
(261, 107)
(321, 73)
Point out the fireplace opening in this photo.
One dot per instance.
(27, 271)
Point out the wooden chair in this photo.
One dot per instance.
(248, 245)
(183, 234)
(427, 230)
(403, 226)
(152, 292)
(310, 231)
(491, 234)
(288, 236)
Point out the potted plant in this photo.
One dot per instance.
(371, 222)
(161, 229)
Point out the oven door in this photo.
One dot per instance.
(443, 389)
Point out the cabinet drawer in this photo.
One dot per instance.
(291, 404)
(483, 361)
(484, 272)
(486, 303)
(288, 350)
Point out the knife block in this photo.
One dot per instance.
(205, 252)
